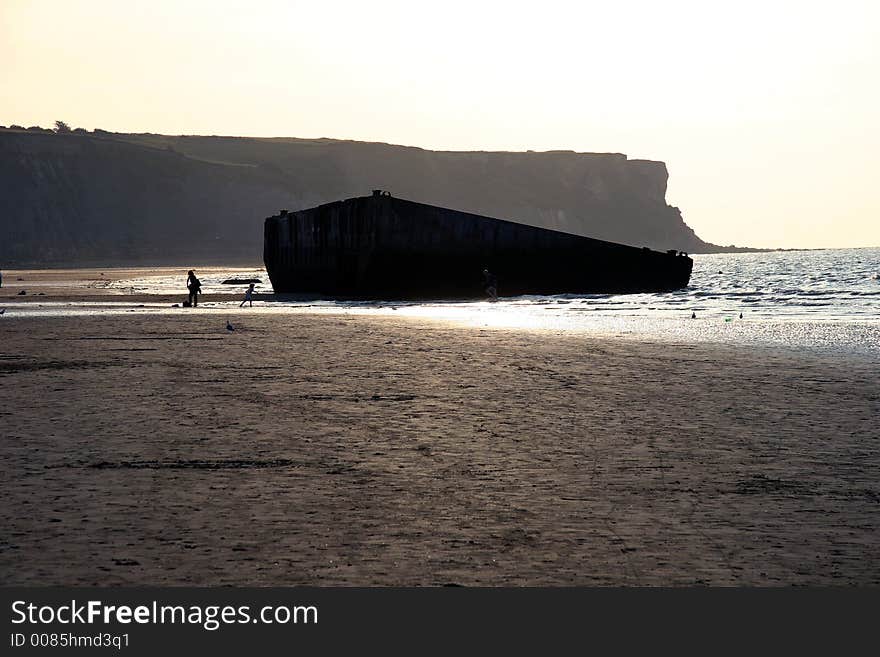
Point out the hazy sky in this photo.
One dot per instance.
(766, 113)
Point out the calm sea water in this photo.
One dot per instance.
(825, 301)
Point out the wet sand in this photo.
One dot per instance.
(343, 450)
(109, 284)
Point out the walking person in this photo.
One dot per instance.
(490, 283)
(194, 286)
(248, 296)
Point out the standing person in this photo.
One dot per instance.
(195, 287)
(247, 296)
(491, 285)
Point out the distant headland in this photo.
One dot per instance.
(73, 197)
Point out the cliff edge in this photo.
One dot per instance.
(109, 198)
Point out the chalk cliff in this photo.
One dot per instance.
(107, 198)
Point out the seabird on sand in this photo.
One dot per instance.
(229, 326)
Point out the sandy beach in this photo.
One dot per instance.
(109, 284)
(340, 450)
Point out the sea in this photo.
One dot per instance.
(819, 301)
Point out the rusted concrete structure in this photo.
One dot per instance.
(381, 247)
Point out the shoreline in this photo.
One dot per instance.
(362, 450)
(855, 340)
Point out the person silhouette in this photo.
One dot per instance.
(247, 296)
(490, 283)
(194, 286)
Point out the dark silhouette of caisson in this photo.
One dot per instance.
(358, 248)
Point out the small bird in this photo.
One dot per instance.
(2, 310)
(740, 315)
(229, 326)
(693, 315)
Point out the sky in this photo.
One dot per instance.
(766, 113)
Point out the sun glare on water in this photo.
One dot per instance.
(481, 314)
